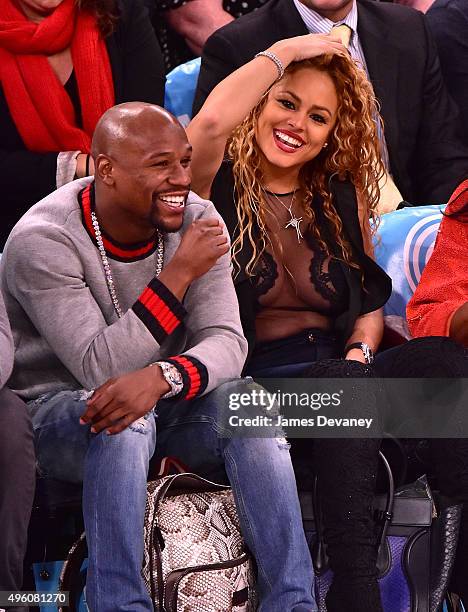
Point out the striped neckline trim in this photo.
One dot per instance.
(114, 249)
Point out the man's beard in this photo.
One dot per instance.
(159, 224)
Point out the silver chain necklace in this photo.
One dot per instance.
(106, 266)
(294, 222)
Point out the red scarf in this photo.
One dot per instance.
(41, 108)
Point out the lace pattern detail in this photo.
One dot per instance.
(322, 280)
(330, 283)
(266, 273)
(325, 275)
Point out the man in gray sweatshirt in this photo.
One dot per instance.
(122, 301)
(17, 470)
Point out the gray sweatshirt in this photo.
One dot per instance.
(6, 345)
(65, 329)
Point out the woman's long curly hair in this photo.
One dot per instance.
(106, 11)
(353, 152)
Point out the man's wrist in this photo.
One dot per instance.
(161, 385)
(172, 377)
(176, 276)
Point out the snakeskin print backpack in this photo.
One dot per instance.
(195, 557)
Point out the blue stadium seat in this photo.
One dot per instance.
(180, 90)
(403, 244)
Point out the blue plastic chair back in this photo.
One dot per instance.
(404, 242)
(46, 578)
(181, 84)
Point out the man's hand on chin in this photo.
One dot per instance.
(121, 401)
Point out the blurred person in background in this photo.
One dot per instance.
(63, 63)
(448, 21)
(183, 26)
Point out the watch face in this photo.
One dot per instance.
(174, 375)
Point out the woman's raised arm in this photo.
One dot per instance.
(233, 98)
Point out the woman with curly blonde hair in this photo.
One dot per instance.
(352, 149)
(287, 147)
(294, 165)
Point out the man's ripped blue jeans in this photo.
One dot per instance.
(113, 469)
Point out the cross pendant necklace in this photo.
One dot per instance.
(294, 222)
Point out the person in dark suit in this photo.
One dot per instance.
(448, 21)
(62, 64)
(426, 157)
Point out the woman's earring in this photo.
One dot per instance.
(325, 145)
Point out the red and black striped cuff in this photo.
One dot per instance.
(159, 310)
(194, 375)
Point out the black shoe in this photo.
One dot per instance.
(356, 596)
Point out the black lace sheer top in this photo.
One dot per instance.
(322, 283)
(294, 272)
(317, 282)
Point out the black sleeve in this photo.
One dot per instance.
(27, 173)
(219, 59)
(25, 177)
(143, 73)
(441, 160)
(449, 30)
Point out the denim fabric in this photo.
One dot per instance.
(114, 470)
(290, 357)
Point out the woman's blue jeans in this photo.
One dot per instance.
(113, 469)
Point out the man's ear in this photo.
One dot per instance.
(104, 169)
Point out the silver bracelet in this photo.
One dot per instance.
(276, 60)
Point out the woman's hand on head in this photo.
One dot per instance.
(299, 48)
